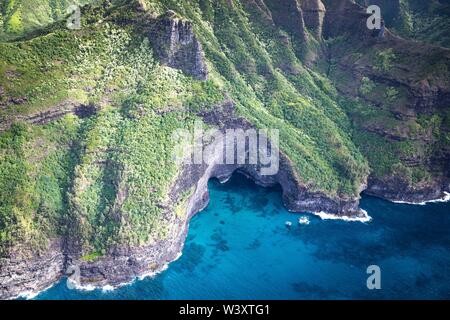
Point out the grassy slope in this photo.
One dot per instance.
(427, 21)
(108, 175)
(21, 16)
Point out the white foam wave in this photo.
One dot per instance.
(29, 294)
(108, 288)
(33, 294)
(363, 217)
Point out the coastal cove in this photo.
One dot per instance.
(240, 248)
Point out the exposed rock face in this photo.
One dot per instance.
(141, 5)
(427, 92)
(25, 272)
(344, 16)
(288, 15)
(53, 114)
(313, 15)
(176, 45)
(414, 71)
(396, 189)
(294, 16)
(261, 5)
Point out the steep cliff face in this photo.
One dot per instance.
(288, 15)
(176, 45)
(25, 271)
(297, 17)
(313, 15)
(344, 17)
(406, 85)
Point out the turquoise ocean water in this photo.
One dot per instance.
(240, 248)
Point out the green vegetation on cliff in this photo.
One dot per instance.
(422, 20)
(104, 178)
(21, 16)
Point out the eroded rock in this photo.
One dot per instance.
(313, 15)
(177, 46)
(288, 15)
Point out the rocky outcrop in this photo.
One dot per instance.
(314, 15)
(297, 17)
(52, 114)
(397, 189)
(176, 45)
(345, 17)
(288, 15)
(24, 272)
(261, 5)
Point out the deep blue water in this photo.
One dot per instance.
(240, 248)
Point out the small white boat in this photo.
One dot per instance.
(288, 224)
(304, 220)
